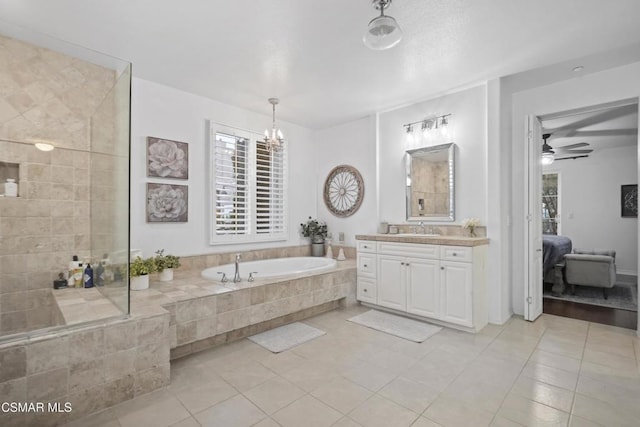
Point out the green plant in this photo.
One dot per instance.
(163, 261)
(141, 266)
(317, 231)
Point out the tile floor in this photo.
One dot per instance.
(555, 371)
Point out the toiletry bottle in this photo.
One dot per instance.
(75, 273)
(10, 188)
(108, 270)
(99, 276)
(88, 276)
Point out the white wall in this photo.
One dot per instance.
(165, 112)
(468, 130)
(353, 144)
(591, 89)
(590, 203)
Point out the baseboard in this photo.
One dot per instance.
(627, 276)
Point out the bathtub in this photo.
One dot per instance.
(271, 268)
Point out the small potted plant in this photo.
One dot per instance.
(165, 265)
(139, 270)
(470, 225)
(316, 232)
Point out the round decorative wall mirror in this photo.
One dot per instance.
(343, 191)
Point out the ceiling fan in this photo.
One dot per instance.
(571, 151)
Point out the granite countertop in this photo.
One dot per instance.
(426, 239)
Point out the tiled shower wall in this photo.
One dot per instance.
(50, 96)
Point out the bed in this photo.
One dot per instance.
(554, 249)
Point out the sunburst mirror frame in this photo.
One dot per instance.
(343, 191)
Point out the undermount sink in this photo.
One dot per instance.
(416, 235)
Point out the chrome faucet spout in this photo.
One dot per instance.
(236, 276)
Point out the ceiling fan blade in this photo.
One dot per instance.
(576, 145)
(563, 151)
(573, 157)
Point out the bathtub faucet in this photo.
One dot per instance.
(236, 277)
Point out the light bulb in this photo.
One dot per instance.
(547, 158)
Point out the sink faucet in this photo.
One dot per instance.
(236, 276)
(421, 225)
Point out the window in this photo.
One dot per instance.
(550, 203)
(248, 188)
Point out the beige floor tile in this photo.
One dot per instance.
(234, 412)
(546, 394)
(247, 375)
(549, 375)
(282, 362)
(159, 412)
(368, 376)
(274, 394)
(619, 396)
(484, 395)
(576, 421)
(603, 413)
(609, 359)
(187, 422)
(500, 421)
(556, 361)
(424, 422)
(613, 347)
(390, 361)
(342, 394)
(527, 412)
(267, 422)
(310, 375)
(346, 422)
(307, 411)
(380, 412)
(608, 374)
(105, 418)
(199, 398)
(410, 394)
(564, 348)
(521, 326)
(448, 412)
(502, 373)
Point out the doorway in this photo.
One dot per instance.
(593, 152)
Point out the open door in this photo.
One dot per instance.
(533, 237)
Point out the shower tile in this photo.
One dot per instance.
(48, 385)
(85, 346)
(13, 363)
(85, 375)
(115, 364)
(152, 330)
(151, 379)
(47, 355)
(120, 337)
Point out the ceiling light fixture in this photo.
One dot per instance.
(548, 155)
(383, 32)
(274, 139)
(429, 124)
(44, 146)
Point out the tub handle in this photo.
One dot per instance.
(251, 278)
(224, 277)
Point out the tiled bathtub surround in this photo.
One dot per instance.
(92, 368)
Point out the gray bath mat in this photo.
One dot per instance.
(399, 326)
(285, 337)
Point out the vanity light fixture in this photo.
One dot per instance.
(429, 124)
(383, 32)
(273, 139)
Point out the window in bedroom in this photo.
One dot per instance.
(248, 188)
(550, 203)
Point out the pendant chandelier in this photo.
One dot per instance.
(383, 31)
(274, 138)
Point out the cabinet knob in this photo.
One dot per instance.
(407, 264)
(402, 263)
(365, 290)
(455, 254)
(366, 266)
(441, 268)
(365, 246)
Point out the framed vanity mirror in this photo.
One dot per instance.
(431, 183)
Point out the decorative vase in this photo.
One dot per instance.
(472, 232)
(139, 283)
(317, 249)
(166, 275)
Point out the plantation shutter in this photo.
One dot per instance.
(248, 188)
(231, 182)
(270, 190)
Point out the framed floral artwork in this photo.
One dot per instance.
(167, 158)
(167, 203)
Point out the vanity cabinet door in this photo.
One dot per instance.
(423, 287)
(456, 289)
(391, 286)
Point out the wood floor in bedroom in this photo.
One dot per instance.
(591, 313)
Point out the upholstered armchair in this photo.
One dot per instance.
(591, 268)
